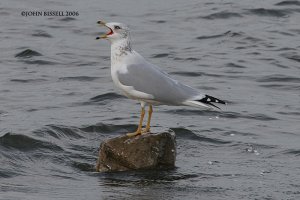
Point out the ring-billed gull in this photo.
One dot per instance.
(142, 81)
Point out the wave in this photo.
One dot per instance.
(159, 21)
(147, 176)
(269, 12)
(289, 113)
(281, 87)
(25, 143)
(229, 115)
(41, 33)
(78, 78)
(234, 65)
(222, 15)
(160, 55)
(102, 99)
(106, 96)
(188, 134)
(225, 34)
(67, 19)
(109, 128)
(292, 56)
(288, 3)
(28, 80)
(38, 62)
(295, 152)
(28, 53)
(279, 78)
(186, 59)
(226, 133)
(59, 131)
(190, 74)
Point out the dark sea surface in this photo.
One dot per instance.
(58, 102)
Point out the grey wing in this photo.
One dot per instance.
(150, 79)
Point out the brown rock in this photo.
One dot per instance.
(149, 151)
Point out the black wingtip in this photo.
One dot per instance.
(213, 105)
(210, 99)
(213, 99)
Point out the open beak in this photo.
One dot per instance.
(102, 23)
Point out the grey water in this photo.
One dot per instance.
(58, 102)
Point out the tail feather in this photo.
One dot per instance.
(206, 101)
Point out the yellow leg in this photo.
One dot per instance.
(147, 129)
(139, 130)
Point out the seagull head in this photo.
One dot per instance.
(117, 31)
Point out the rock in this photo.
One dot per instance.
(149, 151)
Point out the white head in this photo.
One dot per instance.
(117, 31)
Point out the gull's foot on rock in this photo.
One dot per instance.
(145, 131)
(138, 132)
(141, 132)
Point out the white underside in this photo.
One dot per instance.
(196, 104)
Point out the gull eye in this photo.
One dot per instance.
(117, 27)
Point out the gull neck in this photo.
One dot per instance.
(120, 48)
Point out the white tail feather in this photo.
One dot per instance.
(197, 104)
